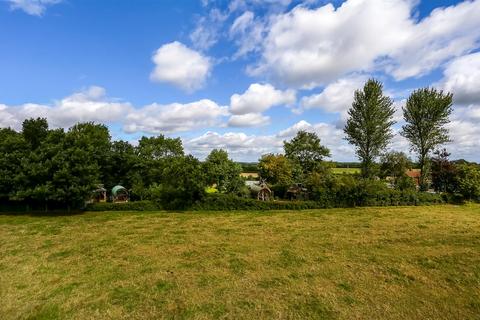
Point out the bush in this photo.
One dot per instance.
(144, 205)
(366, 197)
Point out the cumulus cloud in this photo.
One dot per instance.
(248, 120)
(91, 104)
(446, 33)
(310, 47)
(157, 118)
(259, 98)
(335, 97)
(243, 147)
(462, 77)
(32, 7)
(180, 66)
(240, 146)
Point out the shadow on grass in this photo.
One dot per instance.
(41, 213)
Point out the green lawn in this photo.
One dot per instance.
(345, 170)
(367, 263)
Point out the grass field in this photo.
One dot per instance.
(367, 263)
(345, 170)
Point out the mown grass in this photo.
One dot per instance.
(366, 263)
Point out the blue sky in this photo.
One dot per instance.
(243, 75)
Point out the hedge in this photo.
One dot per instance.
(144, 205)
(228, 202)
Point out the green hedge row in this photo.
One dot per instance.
(144, 205)
(226, 202)
(394, 198)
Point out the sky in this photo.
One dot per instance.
(241, 75)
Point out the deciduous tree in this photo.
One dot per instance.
(426, 113)
(369, 124)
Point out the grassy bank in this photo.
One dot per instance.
(364, 263)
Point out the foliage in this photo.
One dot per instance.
(183, 184)
(426, 113)
(394, 166)
(444, 172)
(34, 131)
(469, 181)
(144, 205)
(369, 125)
(305, 152)
(223, 172)
(275, 168)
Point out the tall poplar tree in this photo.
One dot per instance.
(369, 125)
(426, 113)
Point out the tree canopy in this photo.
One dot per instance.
(369, 124)
(426, 113)
(306, 152)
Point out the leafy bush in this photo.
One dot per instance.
(144, 205)
(469, 181)
(388, 197)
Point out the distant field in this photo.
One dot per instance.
(367, 263)
(345, 170)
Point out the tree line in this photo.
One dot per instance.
(50, 168)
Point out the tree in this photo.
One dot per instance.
(369, 125)
(153, 154)
(444, 172)
(469, 181)
(394, 165)
(223, 172)
(34, 131)
(305, 152)
(184, 184)
(426, 113)
(275, 168)
(13, 149)
(121, 166)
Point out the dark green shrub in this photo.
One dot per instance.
(144, 205)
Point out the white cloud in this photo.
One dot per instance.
(208, 29)
(307, 47)
(310, 47)
(32, 7)
(180, 66)
(259, 98)
(248, 33)
(92, 104)
(248, 120)
(337, 96)
(240, 146)
(157, 118)
(446, 33)
(88, 105)
(243, 147)
(462, 78)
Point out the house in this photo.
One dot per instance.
(415, 175)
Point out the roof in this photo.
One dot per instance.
(116, 189)
(414, 173)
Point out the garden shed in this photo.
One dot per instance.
(259, 189)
